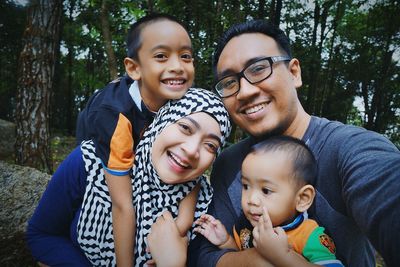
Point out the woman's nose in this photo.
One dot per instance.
(191, 148)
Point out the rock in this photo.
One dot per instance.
(7, 139)
(20, 191)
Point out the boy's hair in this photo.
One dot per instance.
(302, 160)
(134, 40)
(253, 26)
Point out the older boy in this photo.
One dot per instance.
(159, 67)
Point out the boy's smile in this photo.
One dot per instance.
(164, 68)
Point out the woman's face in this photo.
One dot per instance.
(186, 148)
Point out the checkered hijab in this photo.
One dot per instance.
(151, 196)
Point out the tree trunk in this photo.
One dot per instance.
(36, 75)
(278, 9)
(105, 29)
(70, 89)
(261, 9)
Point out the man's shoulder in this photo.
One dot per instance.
(334, 135)
(329, 129)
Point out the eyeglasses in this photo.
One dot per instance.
(256, 72)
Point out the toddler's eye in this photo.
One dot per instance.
(245, 186)
(266, 191)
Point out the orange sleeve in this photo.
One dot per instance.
(298, 237)
(121, 146)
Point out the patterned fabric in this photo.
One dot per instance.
(150, 195)
(95, 235)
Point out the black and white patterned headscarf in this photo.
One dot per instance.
(150, 195)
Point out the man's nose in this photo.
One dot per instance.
(246, 89)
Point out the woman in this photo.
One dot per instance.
(72, 224)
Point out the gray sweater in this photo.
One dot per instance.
(358, 198)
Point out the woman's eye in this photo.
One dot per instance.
(185, 128)
(213, 148)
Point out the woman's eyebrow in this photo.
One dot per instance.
(197, 125)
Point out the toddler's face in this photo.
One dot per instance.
(186, 148)
(267, 182)
(165, 67)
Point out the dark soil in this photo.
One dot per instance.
(14, 253)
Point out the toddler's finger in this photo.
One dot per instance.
(151, 263)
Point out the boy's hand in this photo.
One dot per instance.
(166, 245)
(270, 242)
(212, 229)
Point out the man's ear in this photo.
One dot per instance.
(304, 198)
(132, 68)
(295, 70)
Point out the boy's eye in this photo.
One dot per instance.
(160, 56)
(187, 56)
(266, 191)
(245, 186)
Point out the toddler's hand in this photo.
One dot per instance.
(270, 242)
(212, 229)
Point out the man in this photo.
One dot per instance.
(358, 198)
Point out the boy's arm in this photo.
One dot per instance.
(166, 245)
(215, 232)
(123, 217)
(186, 211)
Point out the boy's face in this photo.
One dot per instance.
(267, 182)
(165, 67)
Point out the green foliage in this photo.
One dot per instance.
(349, 50)
(12, 24)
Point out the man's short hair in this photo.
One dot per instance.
(134, 40)
(300, 157)
(253, 26)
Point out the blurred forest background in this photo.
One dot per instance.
(55, 54)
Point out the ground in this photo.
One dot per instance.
(13, 251)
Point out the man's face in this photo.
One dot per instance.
(269, 106)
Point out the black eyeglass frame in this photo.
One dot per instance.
(240, 75)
